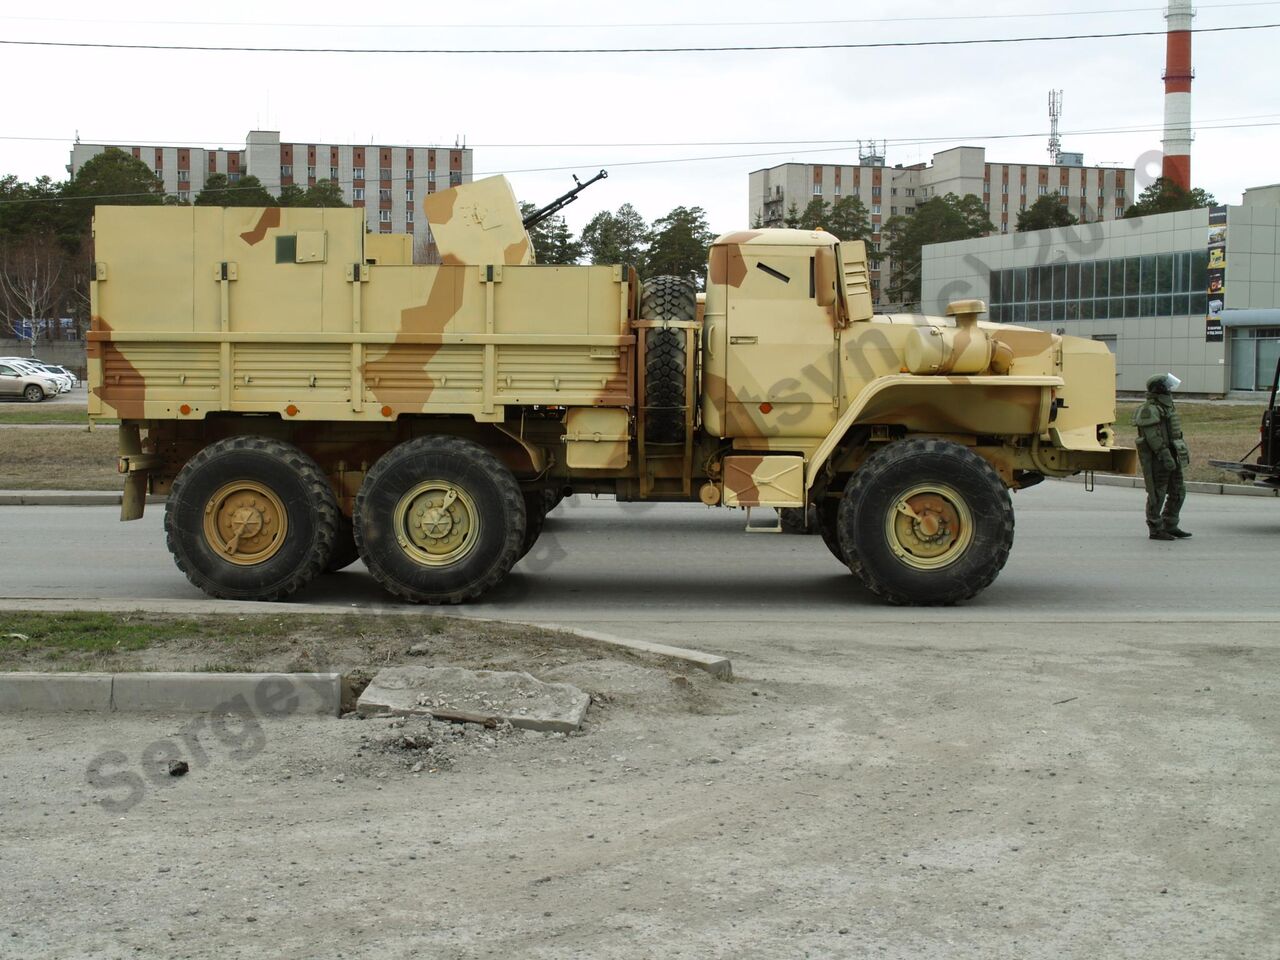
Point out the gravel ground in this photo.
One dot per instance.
(930, 791)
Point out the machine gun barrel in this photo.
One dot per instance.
(559, 203)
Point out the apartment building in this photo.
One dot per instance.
(1090, 193)
(387, 181)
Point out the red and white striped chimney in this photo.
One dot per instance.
(1177, 95)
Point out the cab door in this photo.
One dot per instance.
(781, 345)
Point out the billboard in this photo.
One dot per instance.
(1217, 283)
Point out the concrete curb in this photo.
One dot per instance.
(719, 667)
(246, 694)
(1221, 489)
(22, 692)
(65, 498)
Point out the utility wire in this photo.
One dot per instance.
(561, 51)
(681, 160)
(795, 141)
(631, 26)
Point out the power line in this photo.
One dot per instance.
(631, 26)
(827, 147)
(561, 51)
(794, 141)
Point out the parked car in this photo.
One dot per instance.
(62, 381)
(65, 380)
(58, 368)
(16, 382)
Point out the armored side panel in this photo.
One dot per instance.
(478, 222)
(281, 311)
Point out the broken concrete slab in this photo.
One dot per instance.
(478, 696)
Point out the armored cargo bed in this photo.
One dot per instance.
(298, 312)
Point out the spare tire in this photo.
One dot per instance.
(666, 298)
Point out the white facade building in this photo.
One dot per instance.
(1006, 189)
(388, 182)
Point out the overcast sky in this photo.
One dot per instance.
(671, 128)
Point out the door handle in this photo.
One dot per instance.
(735, 341)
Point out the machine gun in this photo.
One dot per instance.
(559, 203)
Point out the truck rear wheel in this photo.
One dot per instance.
(439, 520)
(344, 546)
(798, 520)
(925, 522)
(535, 517)
(666, 298)
(249, 518)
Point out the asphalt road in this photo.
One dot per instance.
(688, 574)
(1081, 763)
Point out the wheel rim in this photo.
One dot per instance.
(245, 522)
(929, 526)
(437, 523)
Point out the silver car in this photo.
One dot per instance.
(15, 382)
(63, 382)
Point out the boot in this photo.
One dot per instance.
(1161, 535)
(1178, 534)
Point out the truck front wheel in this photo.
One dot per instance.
(249, 518)
(925, 522)
(439, 520)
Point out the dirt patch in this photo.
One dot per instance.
(354, 644)
(1213, 431)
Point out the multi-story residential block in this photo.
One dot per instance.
(1090, 193)
(388, 182)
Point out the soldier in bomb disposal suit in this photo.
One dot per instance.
(1164, 455)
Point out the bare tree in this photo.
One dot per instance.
(31, 282)
(424, 250)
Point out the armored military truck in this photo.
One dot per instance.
(305, 395)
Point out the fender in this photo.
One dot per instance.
(1009, 406)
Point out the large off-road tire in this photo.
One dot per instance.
(250, 518)
(827, 515)
(798, 520)
(439, 520)
(552, 497)
(33, 393)
(344, 546)
(535, 516)
(666, 298)
(925, 522)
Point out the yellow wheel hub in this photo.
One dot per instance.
(929, 527)
(437, 523)
(245, 522)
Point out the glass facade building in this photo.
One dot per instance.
(1155, 285)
